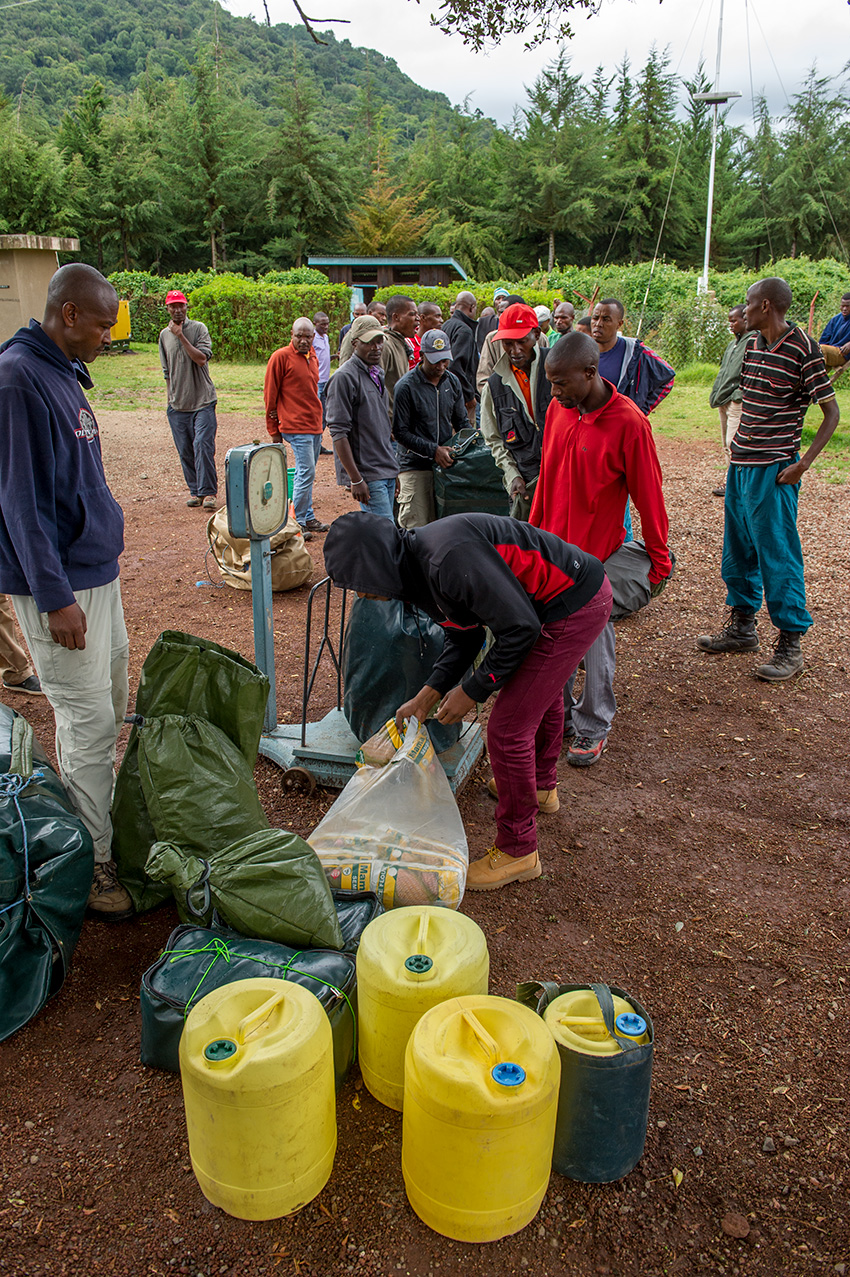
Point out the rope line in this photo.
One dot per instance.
(12, 786)
(220, 949)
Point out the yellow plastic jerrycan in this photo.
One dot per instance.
(576, 1021)
(256, 1062)
(410, 959)
(480, 1102)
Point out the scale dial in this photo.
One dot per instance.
(266, 494)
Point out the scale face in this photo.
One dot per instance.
(256, 488)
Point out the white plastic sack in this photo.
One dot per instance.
(396, 830)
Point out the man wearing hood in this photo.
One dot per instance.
(544, 602)
(61, 532)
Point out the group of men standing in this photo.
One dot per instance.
(569, 428)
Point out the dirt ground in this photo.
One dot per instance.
(702, 865)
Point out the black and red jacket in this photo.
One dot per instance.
(470, 572)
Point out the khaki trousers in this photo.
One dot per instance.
(730, 419)
(14, 663)
(416, 498)
(88, 691)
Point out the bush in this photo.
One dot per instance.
(298, 275)
(248, 319)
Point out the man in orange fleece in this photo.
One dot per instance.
(294, 413)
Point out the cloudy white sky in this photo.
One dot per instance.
(786, 33)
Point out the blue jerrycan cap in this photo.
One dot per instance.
(418, 963)
(220, 1049)
(508, 1074)
(630, 1024)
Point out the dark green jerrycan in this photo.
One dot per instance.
(605, 1041)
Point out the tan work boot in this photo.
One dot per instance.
(497, 870)
(108, 900)
(547, 799)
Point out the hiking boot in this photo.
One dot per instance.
(193, 500)
(787, 658)
(316, 525)
(584, 751)
(108, 900)
(496, 869)
(738, 633)
(547, 799)
(30, 686)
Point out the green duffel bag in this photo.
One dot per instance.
(474, 483)
(197, 960)
(269, 885)
(46, 866)
(182, 674)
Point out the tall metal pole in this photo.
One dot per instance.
(703, 283)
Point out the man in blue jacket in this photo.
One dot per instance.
(61, 532)
(635, 370)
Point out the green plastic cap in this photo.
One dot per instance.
(418, 963)
(220, 1049)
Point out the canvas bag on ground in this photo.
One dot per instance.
(628, 571)
(390, 649)
(46, 866)
(396, 830)
(290, 559)
(269, 885)
(197, 960)
(182, 674)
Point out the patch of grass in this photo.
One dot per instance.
(685, 415)
(135, 382)
(697, 375)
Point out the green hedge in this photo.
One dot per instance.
(247, 318)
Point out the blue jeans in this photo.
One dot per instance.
(194, 439)
(381, 496)
(321, 390)
(762, 555)
(306, 450)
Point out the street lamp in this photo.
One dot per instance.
(716, 98)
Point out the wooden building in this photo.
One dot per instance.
(27, 265)
(366, 274)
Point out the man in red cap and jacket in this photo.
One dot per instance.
(185, 350)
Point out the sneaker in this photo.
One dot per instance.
(210, 503)
(584, 751)
(30, 686)
(547, 799)
(787, 659)
(326, 452)
(719, 492)
(316, 525)
(194, 501)
(737, 634)
(496, 869)
(108, 900)
(308, 536)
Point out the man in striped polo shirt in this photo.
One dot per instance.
(783, 372)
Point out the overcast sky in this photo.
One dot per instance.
(791, 34)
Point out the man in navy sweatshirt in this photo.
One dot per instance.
(61, 532)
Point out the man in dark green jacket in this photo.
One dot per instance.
(726, 395)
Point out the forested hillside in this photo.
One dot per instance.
(175, 137)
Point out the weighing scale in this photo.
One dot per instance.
(309, 753)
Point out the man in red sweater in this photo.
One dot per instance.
(294, 412)
(597, 451)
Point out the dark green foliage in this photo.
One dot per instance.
(249, 319)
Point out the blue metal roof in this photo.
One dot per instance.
(388, 261)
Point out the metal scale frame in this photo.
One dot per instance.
(310, 753)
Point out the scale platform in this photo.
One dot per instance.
(327, 756)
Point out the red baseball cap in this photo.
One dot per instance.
(175, 296)
(516, 321)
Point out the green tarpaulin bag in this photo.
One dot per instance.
(197, 786)
(197, 960)
(269, 885)
(473, 484)
(182, 674)
(46, 866)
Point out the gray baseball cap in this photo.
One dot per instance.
(435, 346)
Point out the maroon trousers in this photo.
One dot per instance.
(525, 733)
